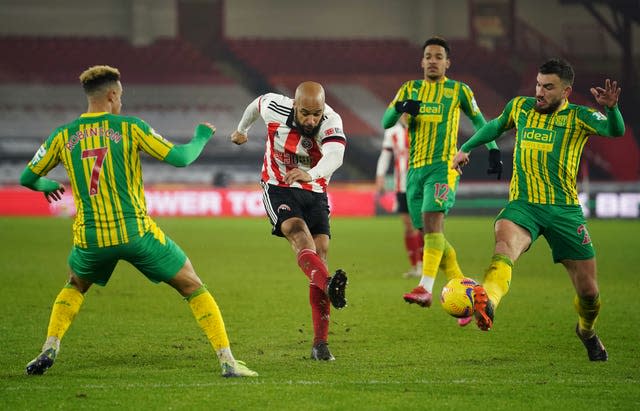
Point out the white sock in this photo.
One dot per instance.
(224, 355)
(427, 282)
(51, 342)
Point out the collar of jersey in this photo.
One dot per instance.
(442, 80)
(565, 105)
(102, 113)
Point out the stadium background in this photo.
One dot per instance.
(185, 61)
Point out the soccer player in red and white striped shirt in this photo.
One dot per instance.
(395, 144)
(305, 144)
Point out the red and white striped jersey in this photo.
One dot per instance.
(396, 139)
(287, 148)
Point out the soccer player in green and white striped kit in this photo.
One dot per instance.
(543, 199)
(100, 152)
(434, 105)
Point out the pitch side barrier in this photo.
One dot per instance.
(599, 200)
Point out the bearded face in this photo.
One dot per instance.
(551, 92)
(308, 121)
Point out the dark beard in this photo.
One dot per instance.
(550, 109)
(304, 133)
(312, 133)
(434, 77)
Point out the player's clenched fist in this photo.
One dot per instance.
(238, 138)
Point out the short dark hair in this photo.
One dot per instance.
(560, 67)
(96, 77)
(438, 41)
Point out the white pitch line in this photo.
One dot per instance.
(252, 381)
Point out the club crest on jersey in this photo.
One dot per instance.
(306, 143)
(448, 92)
(283, 208)
(561, 121)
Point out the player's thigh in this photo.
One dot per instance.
(439, 188)
(94, 265)
(524, 215)
(568, 236)
(415, 181)
(316, 213)
(281, 204)
(401, 203)
(156, 255)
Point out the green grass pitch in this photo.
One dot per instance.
(135, 345)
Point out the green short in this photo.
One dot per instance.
(431, 188)
(157, 260)
(563, 226)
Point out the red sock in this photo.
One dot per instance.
(419, 242)
(410, 245)
(314, 268)
(320, 309)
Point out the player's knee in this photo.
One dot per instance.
(78, 283)
(587, 290)
(186, 281)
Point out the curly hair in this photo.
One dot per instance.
(94, 78)
(560, 67)
(438, 41)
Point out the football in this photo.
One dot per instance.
(456, 297)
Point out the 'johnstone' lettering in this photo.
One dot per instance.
(92, 132)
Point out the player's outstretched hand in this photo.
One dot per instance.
(607, 96)
(460, 160)
(495, 163)
(408, 106)
(55, 195)
(238, 138)
(210, 125)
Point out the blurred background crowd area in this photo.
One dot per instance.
(187, 61)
